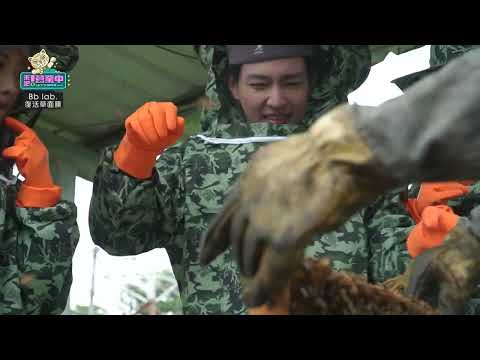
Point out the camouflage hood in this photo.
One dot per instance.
(66, 55)
(341, 68)
(439, 56)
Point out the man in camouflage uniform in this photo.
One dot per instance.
(171, 209)
(430, 133)
(38, 231)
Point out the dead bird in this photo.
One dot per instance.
(317, 289)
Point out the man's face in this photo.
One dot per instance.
(12, 62)
(276, 91)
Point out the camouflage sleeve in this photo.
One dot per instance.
(388, 225)
(130, 216)
(45, 242)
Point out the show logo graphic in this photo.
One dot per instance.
(42, 86)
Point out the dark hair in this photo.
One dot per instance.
(233, 71)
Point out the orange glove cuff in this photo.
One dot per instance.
(35, 197)
(432, 230)
(134, 161)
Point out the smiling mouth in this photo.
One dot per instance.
(277, 119)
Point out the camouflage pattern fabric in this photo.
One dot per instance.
(441, 54)
(36, 251)
(191, 179)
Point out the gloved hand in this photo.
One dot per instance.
(446, 276)
(31, 157)
(150, 130)
(436, 222)
(308, 183)
(435, 193)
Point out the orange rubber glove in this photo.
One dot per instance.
(435, 194)
(31, 157)
(431, 231)
(150, 130)
(433, 217)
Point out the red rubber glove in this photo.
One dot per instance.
(436, 222)
(150, 130)
(31, 157)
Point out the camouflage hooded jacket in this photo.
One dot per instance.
(173, 208)
(36, 245)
